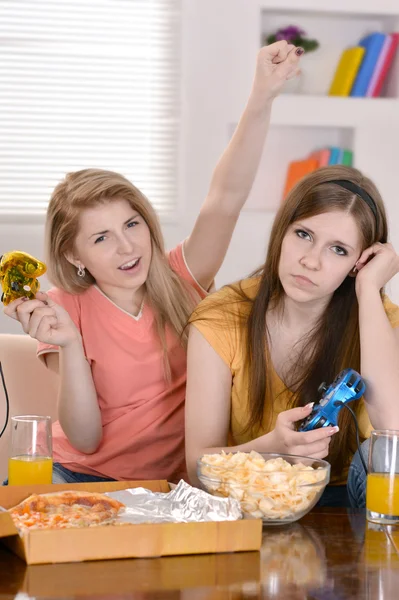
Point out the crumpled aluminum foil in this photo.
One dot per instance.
(182, 505)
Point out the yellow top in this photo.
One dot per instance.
(221, 328)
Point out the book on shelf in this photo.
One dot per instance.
(346, 71)
(298, 169)
(363, 69)
(383, 65)
(347, 158)
(373, 45)
(336, 155)
(321, 157)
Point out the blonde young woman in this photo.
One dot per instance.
(258, 350)
(113, 328)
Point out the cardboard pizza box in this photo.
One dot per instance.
(127, 541)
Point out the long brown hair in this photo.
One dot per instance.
(169, 295)
(334, 343)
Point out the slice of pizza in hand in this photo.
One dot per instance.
(65, 509)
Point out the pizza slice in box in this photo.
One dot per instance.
(60, 510)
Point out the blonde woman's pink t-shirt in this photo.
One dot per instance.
(142, 416)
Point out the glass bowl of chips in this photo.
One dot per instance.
(277, 488)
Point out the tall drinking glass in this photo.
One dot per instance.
(31, 456)
(382, 495)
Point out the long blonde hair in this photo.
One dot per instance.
(171, 298)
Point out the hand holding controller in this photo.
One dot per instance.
(347, 386)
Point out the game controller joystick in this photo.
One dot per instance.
(347, 386)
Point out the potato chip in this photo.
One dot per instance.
(270, 489)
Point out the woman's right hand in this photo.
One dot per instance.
(287, 440)
(44, 320)
(275, 64)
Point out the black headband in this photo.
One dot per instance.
(356, 189)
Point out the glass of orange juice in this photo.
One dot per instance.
(382, 494)
(31, 456)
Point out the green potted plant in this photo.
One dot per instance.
(293, 35)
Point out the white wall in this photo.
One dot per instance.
(220, 41)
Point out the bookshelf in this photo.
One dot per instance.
(288, 142)
(332, 111)
(300, 123)
(335, 31)
(354, 7)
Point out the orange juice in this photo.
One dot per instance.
(382, 494)
(26, 470)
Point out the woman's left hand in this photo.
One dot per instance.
(376, 266)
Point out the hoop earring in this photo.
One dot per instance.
(81, 271)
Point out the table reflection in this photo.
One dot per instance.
(380, 562)
(293, 556)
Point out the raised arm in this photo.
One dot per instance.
(235, 172)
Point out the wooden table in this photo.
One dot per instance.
(331, 554)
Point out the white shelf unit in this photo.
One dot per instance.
(332, 111)
(299, 121)
(335, 32)
(224, 66)
(292, 141)
(353, 7)
(301, 124)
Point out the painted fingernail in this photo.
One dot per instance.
(309, 405)
(24, 299)
(299, 51)
(334, 429)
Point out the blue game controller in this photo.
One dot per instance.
(347, 386)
